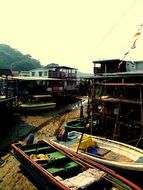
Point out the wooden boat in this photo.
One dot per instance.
(116, 155)
(83, 124)
(2, 97)
(55, 169)
(38, 103)
(37, 106)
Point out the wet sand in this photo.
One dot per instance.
(44, 126)
(12, 176)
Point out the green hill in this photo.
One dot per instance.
(13, 59)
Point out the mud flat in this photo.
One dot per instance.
(12, 176)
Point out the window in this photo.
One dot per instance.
(40, 74)
(45, 73)
(33, 74)
(98, 65)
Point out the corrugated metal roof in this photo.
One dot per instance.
(121, 74)
(33, 78)
(107, 61)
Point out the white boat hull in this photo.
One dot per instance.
(37, 106)
(117, 155)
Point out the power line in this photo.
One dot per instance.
(115, 24)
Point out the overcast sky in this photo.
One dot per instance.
(72, 32)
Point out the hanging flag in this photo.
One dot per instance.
(137, 34)
(141, 26)
(134, 44)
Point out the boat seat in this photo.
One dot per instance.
(98, 152)
(68, 167)
(44, 148)
(103, 151)
(71, 166)
(56, 156)
(56, 170)
(34, 150)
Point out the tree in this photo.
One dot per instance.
(13, 59)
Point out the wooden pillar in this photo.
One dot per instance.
(81, 111)
(141, 102)
(92, 99)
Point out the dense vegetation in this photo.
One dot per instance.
(13, 59)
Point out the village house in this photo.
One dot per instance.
(54, 78)
(116, 65)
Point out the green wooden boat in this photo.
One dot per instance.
(83, 124)
(54, 169)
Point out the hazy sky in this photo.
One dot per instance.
(72, 32)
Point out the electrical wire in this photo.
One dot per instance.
(116, 23)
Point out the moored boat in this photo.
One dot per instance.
(83, 124)
(55, 169)
(38, 103)
(37, 106)
(114, 154)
